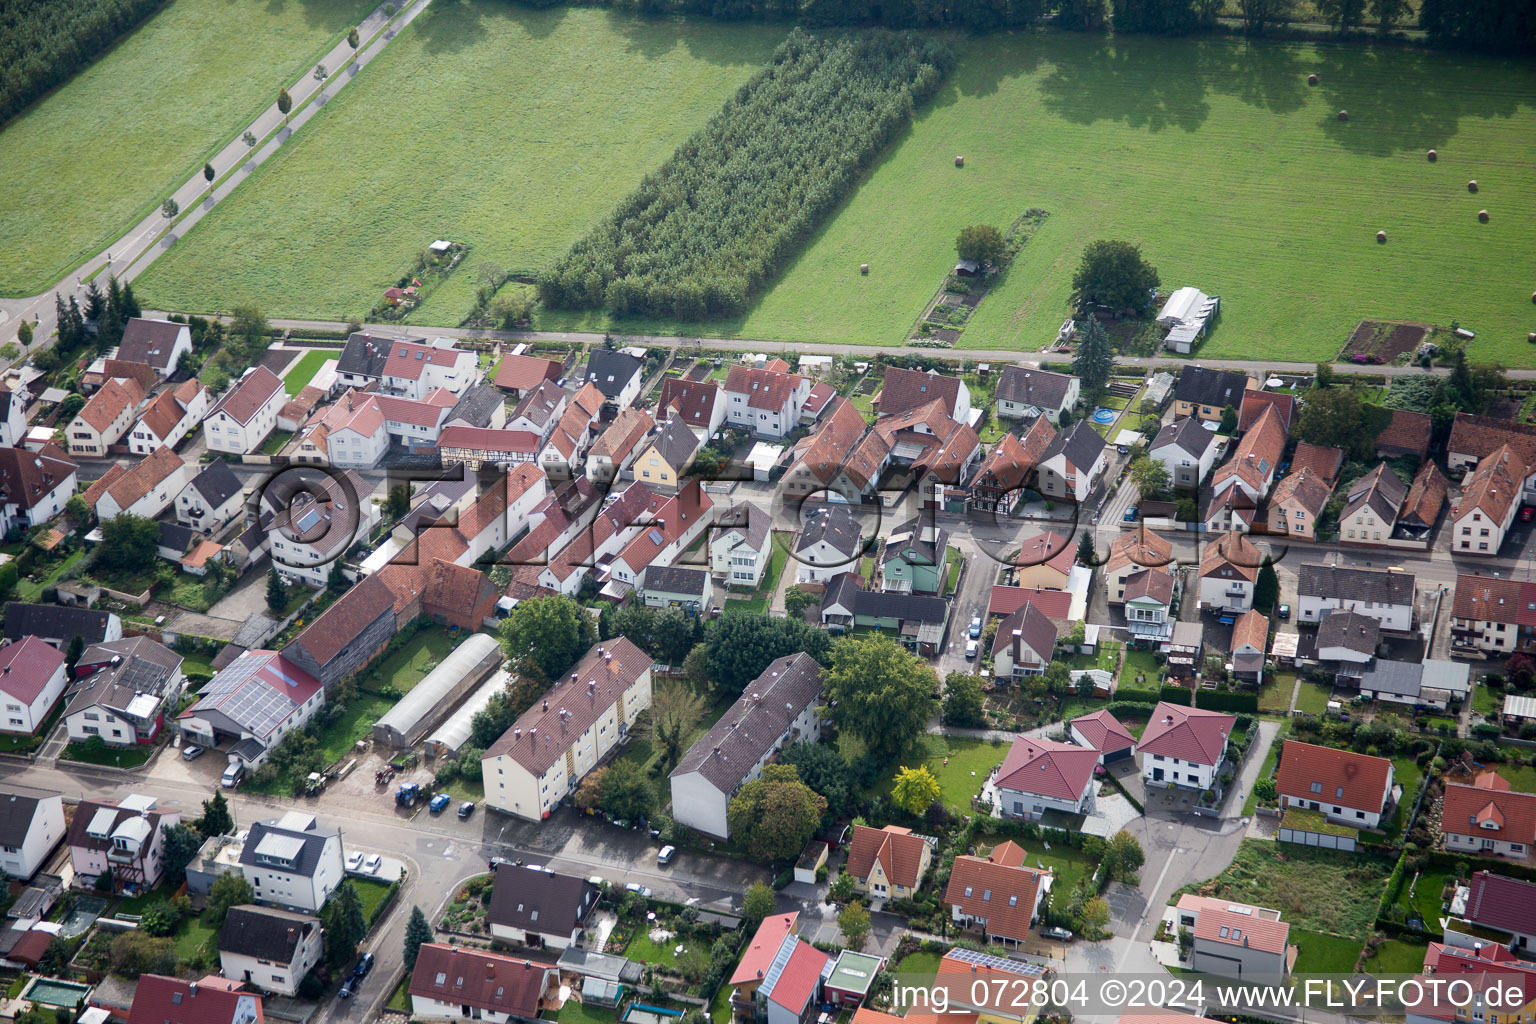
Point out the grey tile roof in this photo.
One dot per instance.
(1348, 583)
(1188, 434)
(310, 845)
(265, 933)
(1216, 388)
(909, 537)
(55, 621)
(674, 579)
(217, 483)
(18, 806)
(907, 607)
(752, 522)
(1381, 489)
(676, 444)
(1080, 443)
(365, 354)
(539, 900)
(175, 537)
(475, 406)
(1403, 678)
(1031, 385)
(834, 524)
(603, 364)
(1349, 630)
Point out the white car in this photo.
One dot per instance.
(371, 865)
(641, 889)
(971, 647)
(354, 860)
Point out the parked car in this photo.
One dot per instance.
(666, 854)
(466, 809)
(192, 753)
(364, 965)
(354, 860)
(1131, 514)
(971, 646)
(346, 988)
(1059, 934)
(232, 776)
(637, 887)
(1527, 513)
(496, 862)
(975, 626)
(1285, 613)
(372, 863)
(439, 803)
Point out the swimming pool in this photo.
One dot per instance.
(52, 992)
(1104, 415)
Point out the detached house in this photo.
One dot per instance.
(999, 483)
(1343, 785)
(741, 546)
(998, 895)
(144, 490)
(122, 689)
(829, 543)
(538, 412)
(414, 370)
(1475, 438)
(1187, 451)
(767, 402)
(1228, 570)
(122, 840)
(1370, 507)
(268, 949)
(1184, 746)
(172, 415)
(210, 1000)
(617, 375)
(1023, 644)
(292, 862)
(889, 862)
(1072, 465)
(211, 498)
(104, 418)
(34, 486)
(1028, 392)
(1346, 641)
(535, 906)
(31, 825)
(1490, 497)
(253, 702)
(1148, 605)
(1041, 775)
(1254, 464)
(159, 344)
(32, 679)
(916, 559)
(1496, 614)
(454, 982)
(1235, 940)
(1383, 595)
(1488, 819)
(665, 455)
(1131, 553)
(241, 420)
(1250, 645)
(1205, 394)
(904, 390)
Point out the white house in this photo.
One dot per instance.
(243, 417)
(1040, 775)
(829, 543)
(764, 401)
(1235, 940)
(122, 690)
(318, 526)
(144, 490)
(31, 825)
(617, 445)
(269, 949)
(1183, 746)
(1024, 643)
(667, 530)
(1490, 497)
(1345, 786)
(1228, 570)
(538, 411)
(452, 982)
(1381, 594)
(173, 414)
(34, 486)
(1026, 392)
(254, 701)
(105, 418)
(618, 375)
(535, 906)
(124, 839)
(1073, 464)
(156, 343)
(210, 499)
(776, 710)
(1488, 818)
(292, 862)
(741, 546)
(32, 679)
(554, 744)
(13, 416)
(414, 371)
(1187, 451)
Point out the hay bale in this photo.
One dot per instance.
(1482, 215)
(1472, 185)
(1432, 156)
(1311, 79)
(1343, 115)
(1531, 337)
(864, 269)
(1381, 236)
(1533, 296)
(959, 161)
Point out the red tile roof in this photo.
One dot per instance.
(1497, 901)
(1255, 402)
(489, 439)
(27, 478)
(407, 359)
(1232, 551)
(692, 401)
(770, 935)
(905, 389)
(353, 612)
(248, 395)
(26, 667)
(1252, 629)
(1356, 781)
(479, 979)
(1494, 486)
(523, 373)
(1057, 604)
(999, 888)
(1049, 549)
(1493, 599)
(108, 403)
(1045, 767)
(1474, 811)
(800, 979)
(1426, 497)
(211, 1000)
(1189, 734)
(899, 852)
(1247, 930)
(148, 473)
(1257, 457)
(1140, 547)
(1480, 436)
(669, 520)
(1325, 462)
(1407, 433)
(1006, 466)
(1104, 732)
(824, 452)
(765, 389)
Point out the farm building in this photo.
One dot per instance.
(449, 737)
(1188, 312)
(409, 720)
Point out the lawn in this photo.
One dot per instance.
(1324, 954)
(1396, 956)
(1085, 127)
(411, 663)
(645, 950)
(371, 891)
(1485, 702)
(1069, 864)
(1275, 696)
(26, 590)
(1105, 657)
(400, 998)
(112, 757)
(576, 1012)
(1141, 662)
(1313, 698)
(756, 603)
(511, 130)
(190, 936)
(970, 762)
(1315, 890)
(916, 968)
(1406, 773)
(1521, 778)
(1425, 901)
(275, 441)
(305, 369)
(69, 189)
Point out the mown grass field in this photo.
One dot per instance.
(509, 129)
(103, 150)
(1233, 174)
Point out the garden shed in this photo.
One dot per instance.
(1312, 828)
(417, 711)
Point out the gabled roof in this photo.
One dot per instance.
(1038, 439)
(669, 520)
(1189, 734)
(1474, 811)
(1383, 675)
(907, 389)
(1356, 781)
(248, 395)
(1187, 434)
(162, 414)
(53, 620)
(428, 412)
(1104, 732)
(489, 439)
(675, 444)
(924, 541)
(143, 667)
(1255, 402)
(353, 612)
(1057, 604)
(824, 452)
(1149, 584)
(538, 899)
(480, 979)
(751, 523)
(18, 807)
(258, 692)
(1406, 433)
(1351, 583)
(26, 668)
(1480, 436)
(1047, 768)
(794, 978)
(521, 373)
(27, 478)
(1215, 388)
(149, 342)
(1380, 489)
(407, 359)
(1142, 548)
(1030, 385)
(1251, 630)
(475, 406)
(1000, 888)
(265, 933)
(1257, 457)
(834, 524)
(1426, 497)
(1494, 485)
(611, 370)
(1033, 627)
(1324, 463)
(816, 401)
(217, 483)
(1303, 490)
(1079, 443)
(1232, 555)
(1493, 599)
(1006, 466)
(899, 852)
(212, 1000)
(770, 935)
(1498, 901)
(692, 401)
(364, 354)
(1350, 630)
(543, 402)
(763, 388)
(145, 476)
(109, 402)
(626, 431)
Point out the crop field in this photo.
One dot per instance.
(107, 146)
(508, 129)
(1215, 155)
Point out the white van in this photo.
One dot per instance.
(233, 773)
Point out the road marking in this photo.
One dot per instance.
(1131, 942)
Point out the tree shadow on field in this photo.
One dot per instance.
(981, 66)
(331, 15)
(722, 44)
(1270, 76)
(1404, 101)
(449, 26)
(1138, 85)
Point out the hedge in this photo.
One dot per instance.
(1447, 859)
(384, 904)
(1149, 697)
(1221, 700)
(1179, 695)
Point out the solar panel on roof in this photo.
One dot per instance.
(996, 963)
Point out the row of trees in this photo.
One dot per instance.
(703, 234)
(43, 43)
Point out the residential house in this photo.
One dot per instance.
(520, 374)
(1102, 733)
(1257, 458)
(297, 410)
(123, 839)
(998, 486)
(610, 535)
(1232, 510)
(1148, 605)
(904, 390)
(1183, 746)
(829, 543)
(675, 586)
(122, 690)
(916, 559)
(791, 990)
(1023, 644)
(244, 415)
(13, 416)
(1250, 645)
(1187, 451)
(1028, 392)
(212, 1000)
(699, 403)
(34, 486)
(292, 862)
(1131, 553)
(817, 462)
(210, 499)
(1406, 433)
(313, 531)
(916, 620)
(617, 446)
(618, 375)
(1236, 940)
(1324, 463)
(756, 960)
(539, 411)
(156, 343)
(767, 402)
(171, 416)
(1072, 465)
(1425, 501)
(268, 949)
(254, 701)
(1490, 497)
(741, 546)
(1344, 786)
(452, 982)
(554, 744)
(481, 405)
(1205, 394)
(776, 710)
(1297, 504)
(59, 625)
(1382, 594)
(1228, 570)
(1481, 981)
(349, 434)
(145, 489)
(889, 862)
(1504, 904)
(1255, 402)
(416, 423)
(1474, 438)
(414, 371)
(1044, 562)
(536, 906)
(816, 403)
(998, 895)
(31, 826)
(665, 455)
(1371, 506)
(475, 447)
(104, 418)
(1041, 775)
(1488, 819)
(667, 530)
(565, 450)
(1494, 614)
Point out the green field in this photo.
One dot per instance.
(1232, 173)
(508, 129)
(103, 150)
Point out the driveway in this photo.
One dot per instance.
(248, 598)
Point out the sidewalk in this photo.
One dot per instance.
(1249, 774)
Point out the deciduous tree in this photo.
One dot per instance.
(980, 242)
(627, 792)
(675, 709)
(853, 922)
(823, 769)
(284, 103)
(915, 789)
(964, 701)
(128, 543)
(227, 891)
(1114, 273)
(741, 647)
(1337, 418)
(170, 208)
(758, 903)
(879, 692)
(1150, 477)
(549, 632)
(776, 813)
